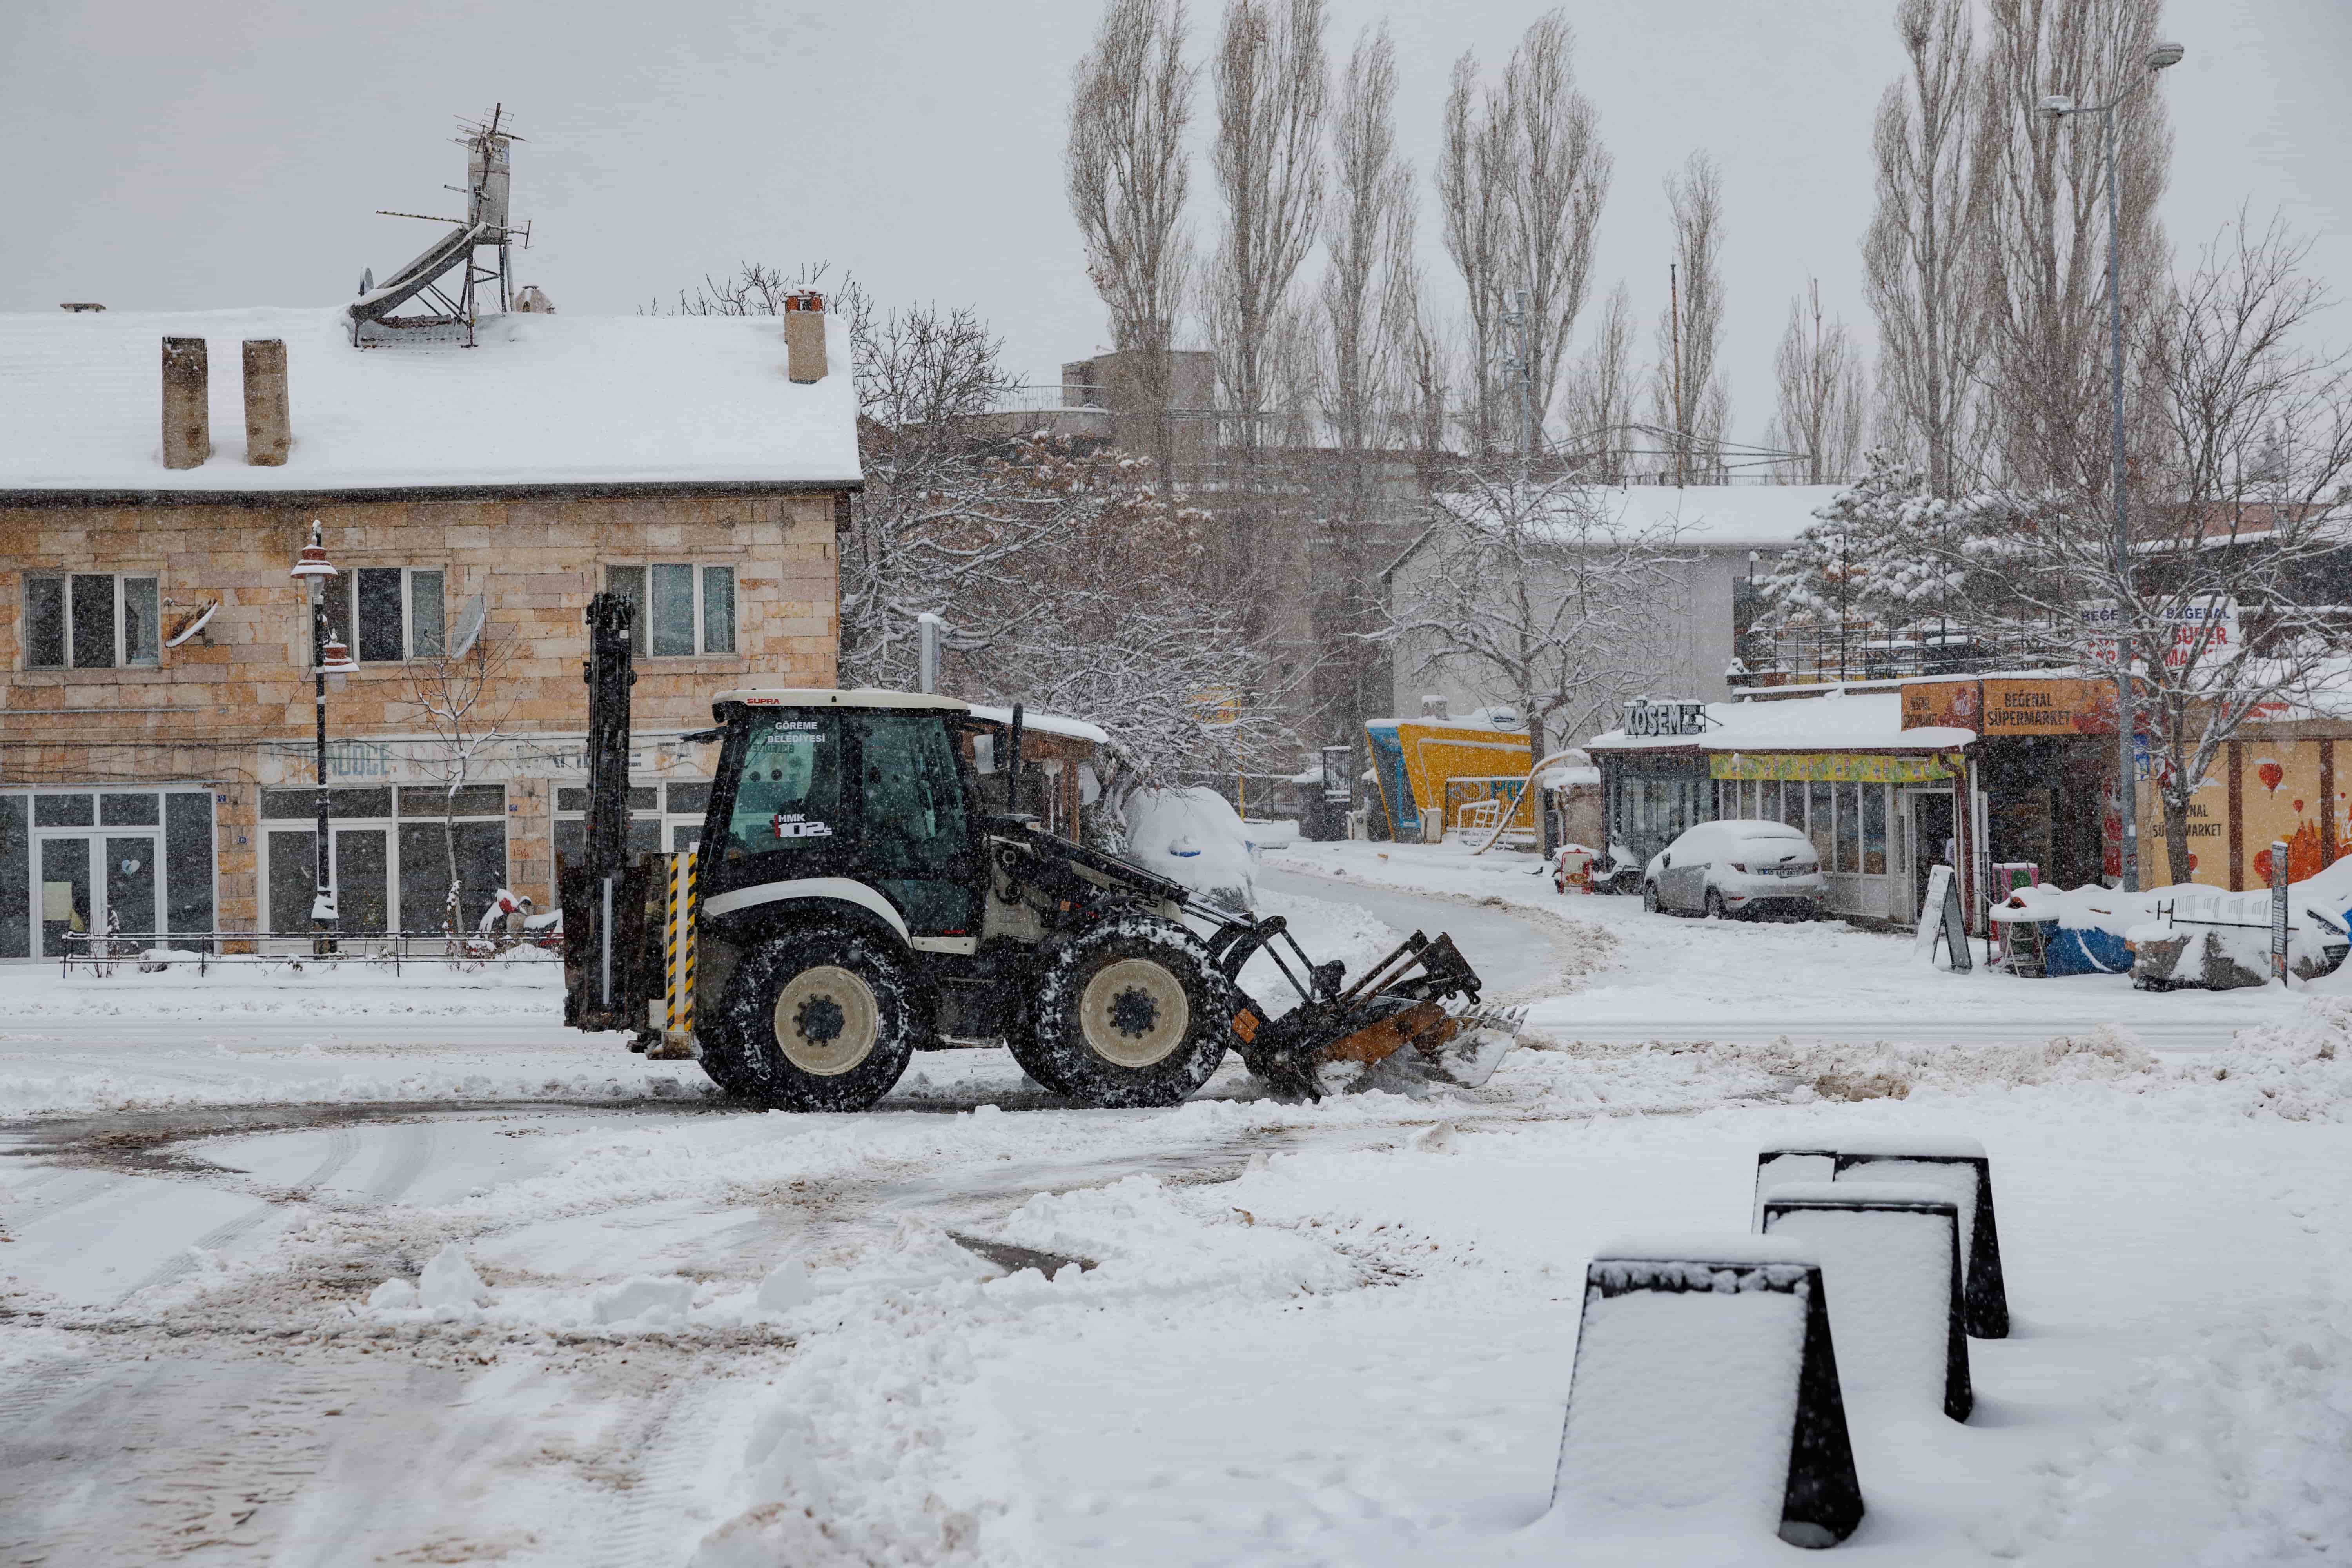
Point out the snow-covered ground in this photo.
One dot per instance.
(976, 1327)
(1674, 977)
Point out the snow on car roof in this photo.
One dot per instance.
(1836, 721)
(544, 399)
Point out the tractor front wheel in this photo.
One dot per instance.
(822, 1022)
(1128, 1014)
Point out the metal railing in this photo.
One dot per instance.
(101, 950)
(1798, 659)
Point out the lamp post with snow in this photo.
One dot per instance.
(2162, 56)
(329, 662)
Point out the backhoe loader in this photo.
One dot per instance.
(852, 901)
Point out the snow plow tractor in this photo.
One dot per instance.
(851, 902)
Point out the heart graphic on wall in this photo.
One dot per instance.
(2271, 775)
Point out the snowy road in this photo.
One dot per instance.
(975, 1327)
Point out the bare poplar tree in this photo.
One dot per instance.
(2045, 225)
(1522, 176)
(1270, 84)
(1820, 399)
(1923, 261)
(1128, 172)
(1369, 187)
(1687, 396)
(1559, 180)
(1598, 402)
(1474, 191)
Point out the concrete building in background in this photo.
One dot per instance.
(156, 744)
(1723, 538)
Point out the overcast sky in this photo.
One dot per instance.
(216, 153)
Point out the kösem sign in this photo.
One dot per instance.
(1646, 718)
(2205, 629)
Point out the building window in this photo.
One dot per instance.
(90, 620)
(390, 870)
(682, 609)
(661, 817)
(400, 612)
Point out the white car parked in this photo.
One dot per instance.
(1746, 869)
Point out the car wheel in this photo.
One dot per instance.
(1713, 905)
(826, 1021)
(1650, 897)
(1130, 1014)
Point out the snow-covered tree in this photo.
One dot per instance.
(1533, 592)
(1871, 562)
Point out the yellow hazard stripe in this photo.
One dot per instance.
(686, 912)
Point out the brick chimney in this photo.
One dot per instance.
(267, 431)
(805, 336)
(187, 410)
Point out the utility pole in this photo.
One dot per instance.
(2164, 56)
(1674, 331)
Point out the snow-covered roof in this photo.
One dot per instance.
(544, 399)
(1721, 516)
(828, 697)
(1046, 723)
(1842, 722)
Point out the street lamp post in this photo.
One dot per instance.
(2162, 56)
(329, 660)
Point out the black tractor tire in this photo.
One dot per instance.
(1128, 1014)
(821, 1021)
(1021, 1039)
(1649, 898)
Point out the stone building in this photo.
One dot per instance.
(156, 729)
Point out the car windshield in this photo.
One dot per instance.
(1777, 847)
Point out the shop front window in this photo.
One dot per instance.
(1849, 828)
(1820, 821)
(1873, 830)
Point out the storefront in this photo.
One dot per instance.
(80, 860)
(1877, 800)
(2040, 778)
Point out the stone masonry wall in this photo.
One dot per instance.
(234, 704)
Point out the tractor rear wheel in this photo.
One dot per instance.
(1128, 1014)
(822, 1022)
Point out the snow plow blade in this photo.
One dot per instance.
(1413, 1022)
(1430, 1043)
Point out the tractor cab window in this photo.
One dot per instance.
(917, 840)
(789, 795)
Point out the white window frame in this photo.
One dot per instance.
(295, 919)
(120, 656)
(641, 631)
(671, 820)
(408, 651)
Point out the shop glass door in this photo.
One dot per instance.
(68, 902)
(362, 883)
(87, 877)
(131, 906)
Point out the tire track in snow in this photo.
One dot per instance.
(56, 1196)
(155, 1460)
(656, 1502)
(341, 1144)
(411, 1145)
